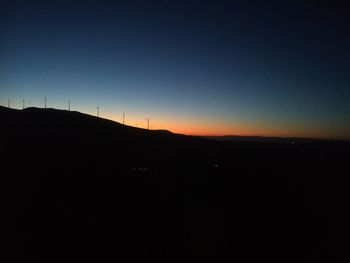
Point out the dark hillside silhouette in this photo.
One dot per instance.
(82, 188)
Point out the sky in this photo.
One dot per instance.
(261, 68)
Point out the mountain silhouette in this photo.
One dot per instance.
(81, 188)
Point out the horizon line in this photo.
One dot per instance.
(193, 134)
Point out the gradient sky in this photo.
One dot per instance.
(194, 67)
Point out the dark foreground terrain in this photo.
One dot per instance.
(76, 188)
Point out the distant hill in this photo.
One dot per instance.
(292, 140)
(58, 128)
(71, 118)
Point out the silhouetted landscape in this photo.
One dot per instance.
(81, 188)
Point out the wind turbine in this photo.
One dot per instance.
(98, 111)
(45, 102)
(148, 119)
(23, 101)
(69, 105)
(9, 103)
(123, 118)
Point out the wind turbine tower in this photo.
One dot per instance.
(45, 102)
(23, 101)
(8, 103)
(98, 111)
(123, 118)
(69, 105)
(148, 119)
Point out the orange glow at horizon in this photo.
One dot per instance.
(221, 128)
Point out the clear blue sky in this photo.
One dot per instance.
(196, 67)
